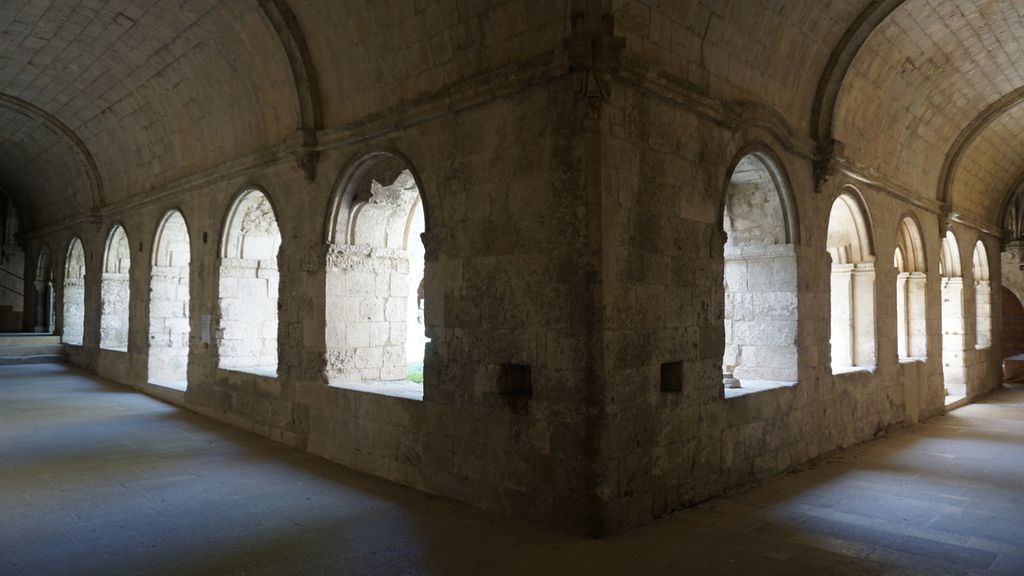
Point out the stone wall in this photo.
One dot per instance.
(366, 315)
(12, 286)
(168, 324)
(247, 330)
(665, 166)
(574, 298)
(761, 313)
(115, 298)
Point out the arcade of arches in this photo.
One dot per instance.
(580, 262)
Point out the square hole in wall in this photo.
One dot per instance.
(672, 377)
(515, 380)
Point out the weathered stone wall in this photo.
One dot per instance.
(115, 292)
(761, 312)
(248, 307)
(168, 324)
(667, 166)
(575, 258)
(366, 314)
(115, 298)
(72, 294)
(504, 234)
(12, 286)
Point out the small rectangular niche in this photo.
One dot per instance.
(672, 377)
(515, 380)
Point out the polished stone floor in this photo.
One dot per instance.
(98, 479)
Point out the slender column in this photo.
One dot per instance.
(40, 306)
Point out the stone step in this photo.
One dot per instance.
(33, 359)
(30, 349)
(11, 351)
(17, 340)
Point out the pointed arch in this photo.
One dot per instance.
(169, 319)
(115, 290)
(911, 290)
(249, 281)
(949, 257)
(954, 337)
(759, 273)
(982, 297)
(73, 292)
(851, 246)
(376, 222)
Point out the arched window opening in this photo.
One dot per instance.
(12, 269)
(74, 294)
(911, 291)
(760, 280)
(852, 285)
(115, 290)
(953, 329)
(376, 328)
(169, 327)
(43, 285)
(249, 282)
(982, 297)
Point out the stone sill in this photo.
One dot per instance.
(756, 387)
(954, 402)
(109, 349)
(843, 370)
(914, 360)
(179, 385)
(406, 389)
(989, 347)
(265, 372)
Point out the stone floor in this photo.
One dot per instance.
(99, 479)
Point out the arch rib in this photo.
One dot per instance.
(85, 157)
(967, 136)
(307, 86)
(832, 78)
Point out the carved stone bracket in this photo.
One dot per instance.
(594, 52)
(825, 163)
(308, 158)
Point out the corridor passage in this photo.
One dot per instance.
(98, 479)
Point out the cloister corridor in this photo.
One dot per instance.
(96, 478)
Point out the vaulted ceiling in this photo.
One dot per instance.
(931, 101)
(104, 101)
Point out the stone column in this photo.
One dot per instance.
(40, 297)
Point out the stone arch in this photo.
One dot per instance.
(911, 290)
(954, 330)
(43, 290)
(850, 245)
(249, 284)
(73, 313)
(949, 257)
(850, 238)
(169, 326)
(115, 290)
(12, 224)
(381, 165)
(85, 157)
(759, 275)
(982, 297)
(762, 163)
(377, 276)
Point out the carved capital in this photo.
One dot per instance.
(308, 158)
(825, 163)
(594, 53)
